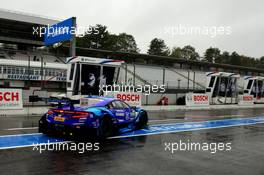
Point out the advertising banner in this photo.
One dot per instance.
(245, 100)
(11, 99)
(61, 31)
(131, 98)
(195, 99)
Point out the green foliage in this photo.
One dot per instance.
(124, 43)
(224, 58)
(176, 52)
(212, 55)
(187, 52)
(100, 38)
(158, 47)
(235, 59)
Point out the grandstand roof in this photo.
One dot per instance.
(17, 27)
(26, 17)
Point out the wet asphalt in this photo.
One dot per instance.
(148, 154)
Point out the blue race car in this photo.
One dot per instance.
(103, 117)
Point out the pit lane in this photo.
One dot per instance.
(145, 153)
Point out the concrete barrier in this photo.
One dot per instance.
(31, 111)
(37, 111)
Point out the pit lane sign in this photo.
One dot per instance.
(11, 99)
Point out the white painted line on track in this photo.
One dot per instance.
(32, 145)
(14, 135)
(15, 129)
(164, 120)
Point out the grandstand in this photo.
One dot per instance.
(23, 61)
(173, 78)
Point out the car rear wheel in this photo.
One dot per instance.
(143, 120)
(42, 125)
(106, 128)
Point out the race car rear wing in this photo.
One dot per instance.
(54, 101)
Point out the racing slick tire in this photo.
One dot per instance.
(143, 120)
(105, 128)
(42, 125)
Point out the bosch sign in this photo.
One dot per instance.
(128, 97)
(11, 99)
(200, 97)
(248, 98)
(9, 96)
(131, 98)
(196, 99)
(245, 100)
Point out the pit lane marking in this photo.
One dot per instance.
(28, 140)
(191, 126)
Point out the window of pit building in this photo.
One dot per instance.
(9, 70)
(13, 70)
(22, 70)
(37, 72)
(17, 70)
(72, 71)
(249, 84)
(212, 81)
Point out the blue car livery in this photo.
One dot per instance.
(101, 116)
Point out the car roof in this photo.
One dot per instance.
(103, 102)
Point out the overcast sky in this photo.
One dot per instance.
(240, 22)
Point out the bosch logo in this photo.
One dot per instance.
(128, 97)
(247, 98)
(200, 98)
(9, 96)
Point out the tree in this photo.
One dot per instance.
(212, 55)
(247, 61)
(158, 47)
(176, 52)
(124, 43)
(235, 59)
(224, 58)
(260, 62)
(97, 38)
(100, 38)
(189, 53)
